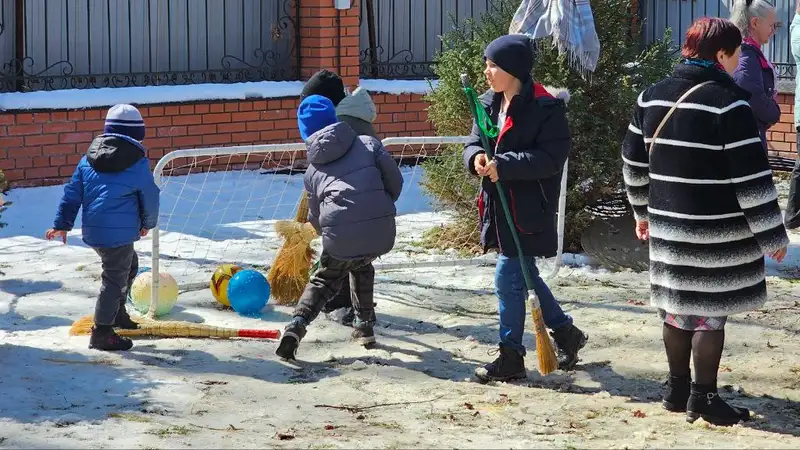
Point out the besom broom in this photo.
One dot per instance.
(289, 272)
(544, 347)
(174, 329)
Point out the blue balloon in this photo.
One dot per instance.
(248, 292)
(142, 269)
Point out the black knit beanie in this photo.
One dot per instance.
(512, 53)
(327, 84)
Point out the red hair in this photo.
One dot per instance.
(709, 35)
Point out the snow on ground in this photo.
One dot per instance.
(413, 390)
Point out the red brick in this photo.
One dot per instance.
(58, 160)
(783, 127)
(24, 118)
(252, 136)
(78, 137)
(73, 159)
(289, 104)
(61, 127)
(24, 152)
(260, 105)
(172, 110)
(171, 131)
(186, 109)
(23, 163)
(216, 139)
(17, 130)
(94, 114)
(187, 141)
(231, 127)
(11, 142)
(41, 117)
(7, 119)
(155, 122)
(14, 175)
(416, 106)
(201, 109)
(405, 117)
(6, 164)
(231, 107)
(41, 139)
(60, 149)
(217, 118)
(274, 135)
(392, 127)
(3, 131)
(217, 108)
(91, 125)
(781, 146)
(201, 129)
(41, 161)
(155, 111)
(245, 116)
(285, 124)
(66, 171)
(274, 114)
(418, 126)
(75, 115)
(193, 119)
(788, 118)
(41, 172)
(245, 106)
(163, 142)
(261, 125)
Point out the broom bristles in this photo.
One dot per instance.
(147, 327)
(290, 270)
(545, 352)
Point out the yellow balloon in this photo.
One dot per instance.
(219, 282)
(142, 288)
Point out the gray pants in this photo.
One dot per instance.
(328, 280)
(120, 265)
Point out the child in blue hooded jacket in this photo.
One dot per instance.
(115, 187)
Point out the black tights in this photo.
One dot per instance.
(705, 346)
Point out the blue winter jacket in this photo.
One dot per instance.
(114, 185)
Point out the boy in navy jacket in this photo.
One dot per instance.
(115, 187)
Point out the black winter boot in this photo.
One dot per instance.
(678, 392)
(124, 320)
(704, 402)
(364, 334)
(510, 365)
(290, 340)
(569, 340)
(104, 338)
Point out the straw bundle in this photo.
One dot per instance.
(174, 329)
(545, 352)
(289, 272)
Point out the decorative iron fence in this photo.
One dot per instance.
(657, 15)
(399, 38)
(76, 44)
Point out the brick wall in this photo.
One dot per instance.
(42, 147)
(782, 136)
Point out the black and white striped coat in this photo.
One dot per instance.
(706, 189)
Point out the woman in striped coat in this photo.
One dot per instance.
(702, 193)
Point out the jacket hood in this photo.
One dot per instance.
(330, 143)
(113, 153)
(358, 105)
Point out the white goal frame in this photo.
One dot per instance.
(388, 142)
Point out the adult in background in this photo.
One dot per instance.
(702, 193)
(756, 21)
(359, 111)
(791, 218)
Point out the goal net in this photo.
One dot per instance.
(219, 206)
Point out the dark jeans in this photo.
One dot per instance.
(328, 280)
(791, 218)
(120, 265)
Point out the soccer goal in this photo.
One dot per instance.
(219, 205)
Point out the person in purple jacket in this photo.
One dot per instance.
(756, 20)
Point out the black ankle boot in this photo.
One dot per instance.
(104, 338)
(704, 402)
(510, 365)
(678, 391)
(294, 332)
(569, 341)
(124, 320)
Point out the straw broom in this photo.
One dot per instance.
(289, 273)
(174, 329)
(544, 347)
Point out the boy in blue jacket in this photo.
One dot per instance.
(114, 185)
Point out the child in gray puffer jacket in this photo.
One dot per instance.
(353, 184)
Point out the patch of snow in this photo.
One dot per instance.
(398, 87)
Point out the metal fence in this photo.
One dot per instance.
(399, 38)
(67, 44)
(657, 15)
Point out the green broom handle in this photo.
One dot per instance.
(487, 129)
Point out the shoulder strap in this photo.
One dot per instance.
(672, 110)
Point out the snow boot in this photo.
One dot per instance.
(678, 394)
(509, 365)
(569, 340)
(124, 320)
(290, 340)
(104, 338)
(705, 403)
(364, 334)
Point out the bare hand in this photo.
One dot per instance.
(779, 255)
(480, 164)
(52, 234)
(491, 171)
(643, 230)
(143, 232)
